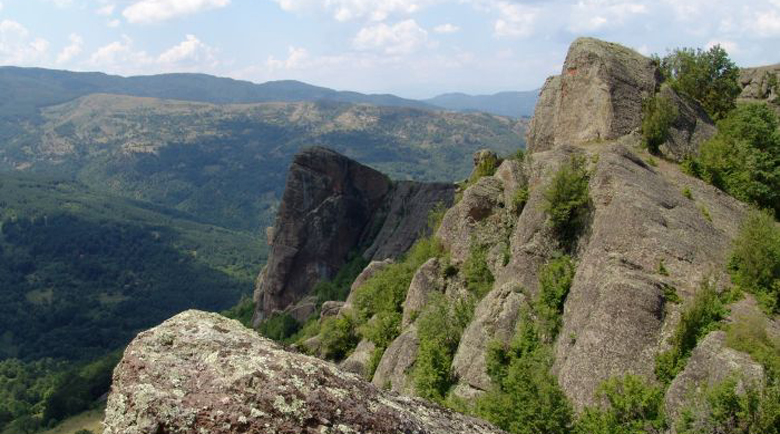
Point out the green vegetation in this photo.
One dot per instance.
(35, 395)
(338, 336)
(337, 289)
(630, 405)
(279, 327)
(566, 201)
(740, 406)
(439, 329)
(555, 280)
(486, 167)
(519, 199)
(709, 77)
(658, 114)
(700, 317)
(526, 397)
(686, 192)
(743, 159)
(479, 278)
(755, 261)
(242, 311)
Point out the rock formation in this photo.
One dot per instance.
(202, 373)
(599, 97)
(332, 206)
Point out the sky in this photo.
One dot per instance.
(411, 48)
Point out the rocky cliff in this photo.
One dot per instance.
(333, 206)
(649, 239)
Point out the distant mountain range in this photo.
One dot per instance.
(512, 104)
(25, 90)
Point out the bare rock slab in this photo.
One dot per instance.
(202, 373)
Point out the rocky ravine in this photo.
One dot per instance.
(200, 373)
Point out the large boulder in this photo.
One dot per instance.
(202, 373)
(395, 369)
(598, 95)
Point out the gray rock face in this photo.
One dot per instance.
(691, 128)
(331, 206)
(371, 269)
(357, 362)
(755, 82)
(495, 318)
(711, 363)
(615, 312)
(395, 368)
(202, 373)
(597, 97)
(426, 280)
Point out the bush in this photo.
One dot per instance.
(566, 201)
(242, 311)
(630, 405)
(486, 167)
(658, 114)
(755, 261)
(338, 288)
(709, 77)
(338, 337)
(525, 397)
(743, 159)
(699, 318)
(439, 329)
(555, 280)
(479, 278)
(519, 199)
(279, 326)
(748, 334)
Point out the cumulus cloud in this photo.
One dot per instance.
(72, 50)
(446, 28)
(152, 11)
(124, 58)
(345, 10)
(767, 23)
(189, 53)
(516, 20)
(401, 38)
(113, 23)
(591, 15)
(18, 47)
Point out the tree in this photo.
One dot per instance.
(710, 77)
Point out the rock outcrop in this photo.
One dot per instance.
(599, 97)
(757, 83)
(332, 206)
(202, 373)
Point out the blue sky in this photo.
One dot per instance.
(413, 48)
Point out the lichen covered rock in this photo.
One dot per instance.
(200, 373)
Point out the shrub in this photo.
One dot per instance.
(439, 330)
(658, 114)
(242, 311)
(630, 405)
(555, 280)
(699, 318)
(486, 167)
(686, 192)
(755, 261)
(749, 335)
(525, 397)
(566, 201)
(279, 326)
(743, 158)
(479, 278)
(338, 337)
(709, 77)
(338, 288)
(519, 199)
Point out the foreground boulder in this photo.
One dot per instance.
(202, 373)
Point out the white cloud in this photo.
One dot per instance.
(152, 11)
(72, 50)
(113, 23)
(106, 10)
(516, 20)
(767, 24)
(731, 47)
(17, 47)
(446, 28)
(401, 38)
(591, 15)
(122, 57)
(346, 10)
(61, 3)
(190, 52)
